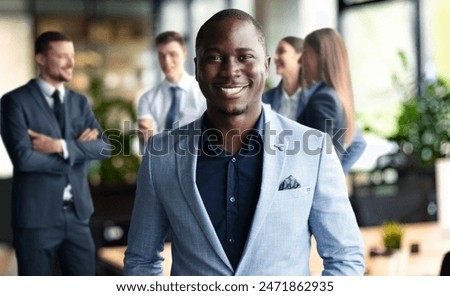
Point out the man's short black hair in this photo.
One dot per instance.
(42, 43)
(169, 36)
(231, 14)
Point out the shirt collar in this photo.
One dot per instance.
(258, 130)
(294, 95)
(259, 126)
(49, 89)
(184, 83)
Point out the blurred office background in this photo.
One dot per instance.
(398, 53)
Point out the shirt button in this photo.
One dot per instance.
(232, 199)
(233, 159)
(230, 240)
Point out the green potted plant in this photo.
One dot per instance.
(423, 124)
(117, 117)
(392, 234)
(397, 259)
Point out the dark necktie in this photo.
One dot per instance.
(58, 108)
(174, 107)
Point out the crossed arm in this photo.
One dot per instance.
(32, 151)
(48, 145)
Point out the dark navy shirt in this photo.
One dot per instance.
(230, 186)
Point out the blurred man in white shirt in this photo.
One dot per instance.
(155, 104)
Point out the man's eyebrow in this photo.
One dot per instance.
(240, 49)
(211, 49)
(245, 49)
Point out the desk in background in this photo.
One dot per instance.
(427, 235)
(432, 248)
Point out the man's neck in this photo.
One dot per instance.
(232, 130)
(176, 79)
(55, 84)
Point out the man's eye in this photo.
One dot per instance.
(214, 58)
(245, 57)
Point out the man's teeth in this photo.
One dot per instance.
(232, 91)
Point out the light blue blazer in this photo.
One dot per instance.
(279, 240)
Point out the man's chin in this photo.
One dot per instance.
(234, 111)
(170, 75)
(65, 78)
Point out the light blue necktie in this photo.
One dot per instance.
(174, 110)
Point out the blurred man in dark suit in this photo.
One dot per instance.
(51, 134)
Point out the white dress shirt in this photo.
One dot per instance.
(155, 103)
(289, 104)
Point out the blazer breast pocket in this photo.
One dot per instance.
(302, 192)
(290, 201)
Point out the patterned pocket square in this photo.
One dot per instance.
(289, 183)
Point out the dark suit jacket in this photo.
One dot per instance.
(39, 179)
(274, 95)
(324, 111)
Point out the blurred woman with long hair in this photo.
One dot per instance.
(329, 104)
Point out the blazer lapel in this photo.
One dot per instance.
(186, 161)
(67, 126)
(276, 103)
(273, 163)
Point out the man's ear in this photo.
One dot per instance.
(40, 59)
(195, 68)
(267, 64)
(184, 54)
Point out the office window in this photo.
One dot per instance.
(374, 34)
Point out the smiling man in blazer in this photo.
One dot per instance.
(242, 189)
(51, 135)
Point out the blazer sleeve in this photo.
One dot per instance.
(90, 150)
(354, 151)
(14, 130)
(332, 220)
(148, 227)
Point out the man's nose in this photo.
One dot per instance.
(71, 62)
(167, 60)
(231, 67)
